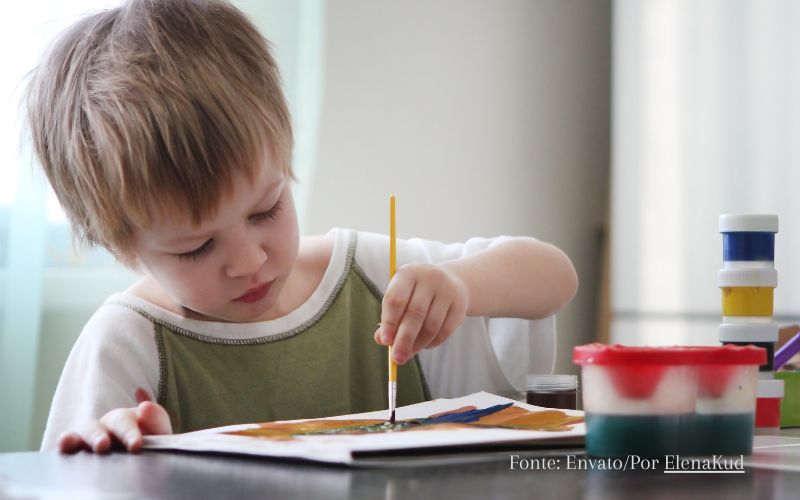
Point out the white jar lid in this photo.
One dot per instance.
(748, 264)
(745, 223)
(770, 388)
(748, 333)
(551, 382)
(747, 278)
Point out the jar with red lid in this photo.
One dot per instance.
(657, 401)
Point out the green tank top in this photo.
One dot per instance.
(328, 366)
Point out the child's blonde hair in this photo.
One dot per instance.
(154, 106)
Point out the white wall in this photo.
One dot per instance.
(483, 117)
(706, 120)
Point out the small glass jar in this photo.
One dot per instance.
(552, 391)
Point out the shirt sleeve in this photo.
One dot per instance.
(483, 354)
(115, 356)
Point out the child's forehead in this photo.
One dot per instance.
(240, 199)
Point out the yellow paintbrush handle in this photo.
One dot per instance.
(392, 270)
(392, 367)
(392, 240)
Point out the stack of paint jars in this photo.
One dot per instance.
(748, 281)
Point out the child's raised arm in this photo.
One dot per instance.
(519, 278)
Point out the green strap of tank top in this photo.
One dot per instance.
(328, 366)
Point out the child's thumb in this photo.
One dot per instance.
(153, 419)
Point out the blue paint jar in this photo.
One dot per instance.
(748, 246)
(748, 241)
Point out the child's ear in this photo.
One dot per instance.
(137, 266)
(130, 260)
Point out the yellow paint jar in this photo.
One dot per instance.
(747, 292)
(747, 301)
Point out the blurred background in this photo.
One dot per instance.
(617, 130)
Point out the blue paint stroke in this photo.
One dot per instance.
(465, 417)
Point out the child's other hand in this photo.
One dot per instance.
(422, 307)
(123, 425)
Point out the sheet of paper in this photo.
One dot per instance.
(339, 448)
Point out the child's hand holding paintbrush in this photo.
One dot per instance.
(425, 303)
(422, 307)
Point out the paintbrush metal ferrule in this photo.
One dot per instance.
(392, 400)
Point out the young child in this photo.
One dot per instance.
(163, 130)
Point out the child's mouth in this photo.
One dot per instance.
(255, 294)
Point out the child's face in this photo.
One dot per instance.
(234, 266)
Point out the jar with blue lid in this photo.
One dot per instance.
(748, 240)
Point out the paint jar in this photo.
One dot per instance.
(768, 407)
(656, 401)
(552, 391)
(758, 335)
(747, 293)
(748, 241)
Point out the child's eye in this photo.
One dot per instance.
(272, 213)
(199, 252)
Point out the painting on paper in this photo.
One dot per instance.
(477, 419)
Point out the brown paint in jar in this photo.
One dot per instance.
(553, 391)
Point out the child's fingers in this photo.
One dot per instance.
(123, 425)
(454, 319)
(394, 305)
(96, 437)
(432, 324)
(413, 318)
(70, 442)
(153, 419)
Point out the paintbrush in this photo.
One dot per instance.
(392, 270)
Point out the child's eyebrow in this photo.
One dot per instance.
(179, 239)
(189, 237)
(268, 190)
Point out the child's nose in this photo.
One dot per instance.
(246, 259)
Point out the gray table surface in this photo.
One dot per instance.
(191, 476)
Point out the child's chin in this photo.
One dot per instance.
(248, 313)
